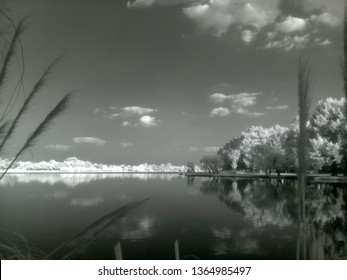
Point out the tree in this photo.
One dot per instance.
(8, 126)
(326, 134)
(212, 163)
(266, 157)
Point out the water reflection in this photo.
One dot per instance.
(74, 179)
(211, 217)
(261, 202)
(322, 231)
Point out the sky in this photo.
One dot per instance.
(161, 81)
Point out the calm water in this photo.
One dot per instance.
(211, 219)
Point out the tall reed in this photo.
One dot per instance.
(304, 87)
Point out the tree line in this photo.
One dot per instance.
(276, 148)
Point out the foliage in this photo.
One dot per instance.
(259, 148)
(212, 163)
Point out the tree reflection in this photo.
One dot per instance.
(322, 231)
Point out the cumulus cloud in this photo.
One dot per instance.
(148, 121)
(58, 147)
(212, 149)
(89, 140)
(219, 15)
(289, 43)
(238, 102)
(282, 19)
(210, 17)
(280, 107)
(126, 144)
(291, 24)
(219, 112)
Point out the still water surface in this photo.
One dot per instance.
(211, 219)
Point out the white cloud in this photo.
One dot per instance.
(89, 140)
(219, 112)
(326, 18)
(140, 3)
(136, 110)
(218, 97)
(96, 111)
(248, 35)
(58, 147)
(280, 107)
(244, 99)
(212, 149)
(148, 121)
(112, 116)
(289, 43)
(244, 111)
(322, 42)
(218, 15)
(126, 144)
(210, 17)
(126, 123)
(291, 24)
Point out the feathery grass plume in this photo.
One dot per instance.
(9, 54)
(26, 103)
(42, 127)
(304, 87)
(91, 232)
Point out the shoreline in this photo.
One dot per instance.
(313, 178)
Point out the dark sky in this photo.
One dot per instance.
(170, 81)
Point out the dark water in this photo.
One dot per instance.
(211, 219)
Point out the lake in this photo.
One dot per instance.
(211, 219)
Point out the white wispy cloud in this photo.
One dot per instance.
(291, 24)
(148, 3)
(126, 123)
(238, 102)
(211, 149)
(89, 140)
(326, 18)
(243, 98)
(58, 147)
(243, 111)
(148, 121)
(126, 144)
(219, 112)
(289, 43)
(136, 110)
(280, 107)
